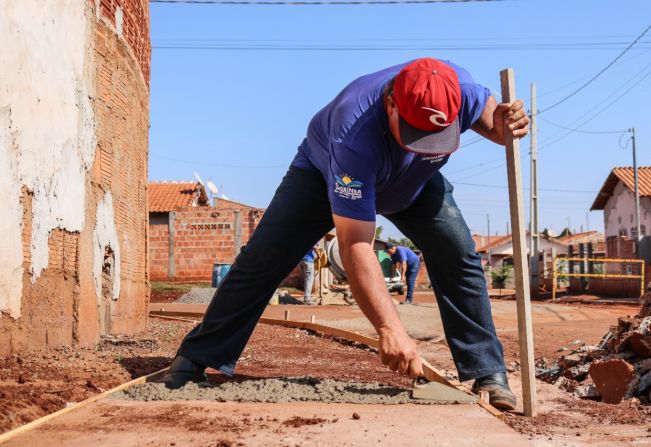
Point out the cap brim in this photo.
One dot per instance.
(443, 142)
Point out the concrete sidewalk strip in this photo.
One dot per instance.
(198, 423)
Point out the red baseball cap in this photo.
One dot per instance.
(428, 97)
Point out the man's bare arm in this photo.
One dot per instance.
(397, 349)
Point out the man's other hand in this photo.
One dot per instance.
(494, 116)
(398, 351)
(515, 116)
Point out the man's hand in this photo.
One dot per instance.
(491, 122)
(516, 117)
(398, 352)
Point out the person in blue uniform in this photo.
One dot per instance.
(406, 262)
(376, 148)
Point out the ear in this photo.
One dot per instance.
(390, 105)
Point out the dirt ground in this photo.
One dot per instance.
(36, 384)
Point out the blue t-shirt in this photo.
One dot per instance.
(366, 170)
(404, 254)
(310, 256)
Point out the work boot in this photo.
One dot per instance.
(182, 371)
(497, 385)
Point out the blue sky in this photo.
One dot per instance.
(236, 112)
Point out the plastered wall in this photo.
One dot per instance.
(71, 89)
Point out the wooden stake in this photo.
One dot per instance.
(522, 291)
(313, 319)
(286, 315)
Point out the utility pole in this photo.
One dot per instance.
(534, 238)
(488, 226)
(637, 194)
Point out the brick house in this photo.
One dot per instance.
(187, 235)
(617, 200)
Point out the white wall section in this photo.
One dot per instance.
(11, 258)
(48, 143)
(106, 235)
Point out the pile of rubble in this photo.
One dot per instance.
(618, 368)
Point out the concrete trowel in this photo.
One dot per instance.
(438, 393)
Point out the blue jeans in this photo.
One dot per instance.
(297, 217)
(410, 277)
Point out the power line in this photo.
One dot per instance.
(192, 162)
(584, 131)
(263, 46)
(604, 108)
(540, 189)
(598, 74)
(316, 3)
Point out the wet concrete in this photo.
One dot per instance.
(276, 390)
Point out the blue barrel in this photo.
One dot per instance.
(219, 271)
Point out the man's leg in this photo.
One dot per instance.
(434, 223)
(309, 282)
(297, 217)
(412, 273)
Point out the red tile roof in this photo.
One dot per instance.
(495, 241)
(586, 236)
(168, 196)
(624, 175)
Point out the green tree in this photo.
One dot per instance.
(378, 232)
(499, 276)
(405, 242)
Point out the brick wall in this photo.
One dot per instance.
(202, 236)
(135, 28)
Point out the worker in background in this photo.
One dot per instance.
(307, 268)
(405, 262)
(376, 148)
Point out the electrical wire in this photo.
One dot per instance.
(539, 189)
(583, 131)
(598, 74)
(602, 110)
(319, 3)
(217, 165)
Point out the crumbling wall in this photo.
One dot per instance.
(52, 123)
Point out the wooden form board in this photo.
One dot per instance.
(522, 291)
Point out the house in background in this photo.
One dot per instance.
(501, 248)
(188, 235)
(617, 200)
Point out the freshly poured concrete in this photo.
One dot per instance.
(273, 391)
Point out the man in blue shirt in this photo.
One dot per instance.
(406, 262)
(376, 148)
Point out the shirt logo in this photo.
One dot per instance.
(434, 158)
(438, 118)
(348, 188)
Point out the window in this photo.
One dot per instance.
(619, 219)
(623, 232)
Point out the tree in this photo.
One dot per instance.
(378, 232)
(405, 242)
(499, 276)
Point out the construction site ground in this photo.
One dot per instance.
(36, 384)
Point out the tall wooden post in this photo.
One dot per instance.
(522, 290)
